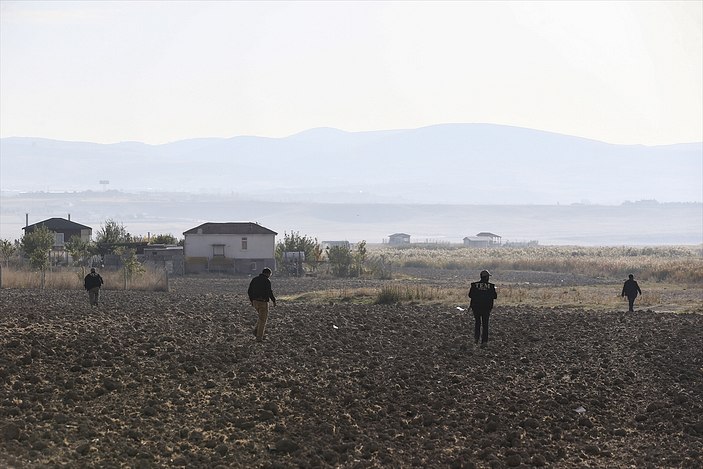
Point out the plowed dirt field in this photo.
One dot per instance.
(177, 380)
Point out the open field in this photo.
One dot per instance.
(553, 276)
(175, 379)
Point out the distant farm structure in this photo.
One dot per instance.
(293, 262)
(493, 239)
(399, 239)
(476, 242)
(483, 239)
(166, 256)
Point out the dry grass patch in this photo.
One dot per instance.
(72, 279)
(594, 297)
(352, 295)
(665, 263)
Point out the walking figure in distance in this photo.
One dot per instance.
(92, 282)
(482, 294)
(631, 289)
(259, 295)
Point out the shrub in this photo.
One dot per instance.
(388, 295)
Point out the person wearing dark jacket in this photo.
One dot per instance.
(259, 295)
(631, 289)
(92, 282)
(482, 294)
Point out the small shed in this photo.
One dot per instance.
(166, 256)
(476, 242)
(399, 239)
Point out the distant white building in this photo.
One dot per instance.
(493, 239)
(398, 239)
(237, 247)
(476, 242)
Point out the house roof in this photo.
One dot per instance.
(488, 234)
(57, 224)
(230, 228)
(476, 238)
(399, 235)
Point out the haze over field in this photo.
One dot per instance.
(643, 223)
(443, 164)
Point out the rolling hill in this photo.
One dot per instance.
(442, 164)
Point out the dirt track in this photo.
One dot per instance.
(176, 379)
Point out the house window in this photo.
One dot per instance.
(218, 250)
(58, 239)
(253, 266)
(244, 244)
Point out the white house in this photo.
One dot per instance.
(238, 247)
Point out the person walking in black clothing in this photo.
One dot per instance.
(92, 282)
(259, 295)
(631, 289)
(482, 294)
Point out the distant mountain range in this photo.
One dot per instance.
(442, 164)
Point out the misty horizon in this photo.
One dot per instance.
(424, 182)
(434, 164)
(575, 224)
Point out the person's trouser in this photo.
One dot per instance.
(631, 301)
(94, 295)
(262, 308)
(481, 325)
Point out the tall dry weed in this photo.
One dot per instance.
(72, 279)
(666, 263)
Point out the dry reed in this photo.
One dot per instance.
(72, 279)
(667, 263)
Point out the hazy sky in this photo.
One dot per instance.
(620, 72)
